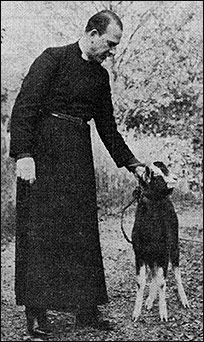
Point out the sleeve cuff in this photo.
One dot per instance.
(133, 163)
(23, 155)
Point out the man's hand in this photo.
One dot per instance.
(137, 169)
(26, 169)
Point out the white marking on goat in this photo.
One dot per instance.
(141, 282)
(171, 179)
(153, 289)
(161, 283)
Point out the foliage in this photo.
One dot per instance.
(2, 33)
(156, 80)
(115, 186)
(156, 74)
(159, 83)
(7, 197)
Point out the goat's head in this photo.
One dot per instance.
(157, 182)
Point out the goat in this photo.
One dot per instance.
(155, 239)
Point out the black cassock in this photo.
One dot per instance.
(58, 255)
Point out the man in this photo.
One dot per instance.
(58, 255)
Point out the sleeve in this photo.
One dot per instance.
(25, 111)
(107, 129)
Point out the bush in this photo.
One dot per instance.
(115, 186)
(7, 198)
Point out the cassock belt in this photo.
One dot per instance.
(67, 117)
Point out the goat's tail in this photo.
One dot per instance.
(122, 215)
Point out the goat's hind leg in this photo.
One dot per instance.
(141, 282)
(177, 273)
(153, 289)
(180, 287)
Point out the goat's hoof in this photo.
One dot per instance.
(135, 318)
(164, 318)
(186, 305)
(148, 303)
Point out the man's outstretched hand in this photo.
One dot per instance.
(137, 169)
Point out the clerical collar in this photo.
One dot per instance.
(83, 55)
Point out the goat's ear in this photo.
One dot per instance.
(170, 191)
(147, 175)
(147, 171)
(162, 167)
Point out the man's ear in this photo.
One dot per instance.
(93, 33)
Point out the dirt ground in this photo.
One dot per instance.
(183, 324)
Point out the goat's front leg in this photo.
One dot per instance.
(181, 290)
(161, 283)
(141, 281)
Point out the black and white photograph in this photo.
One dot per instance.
(102, 171)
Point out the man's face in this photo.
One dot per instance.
(105, 45)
